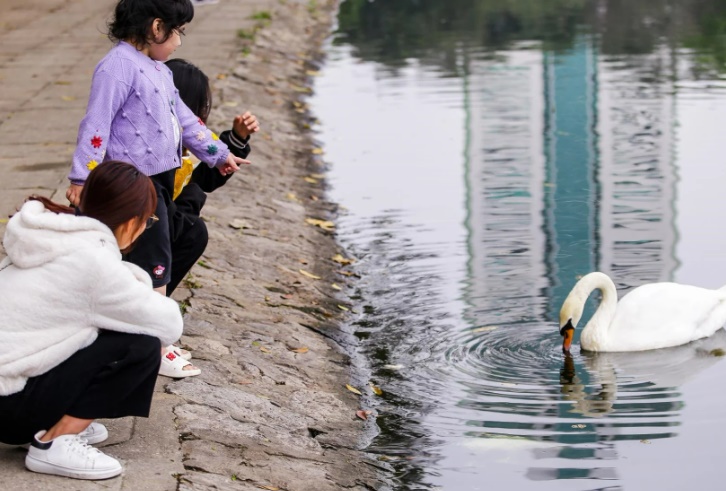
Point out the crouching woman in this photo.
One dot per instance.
(82, 330)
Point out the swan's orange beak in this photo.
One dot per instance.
(568, 332)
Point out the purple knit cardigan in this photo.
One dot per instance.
(129, 116)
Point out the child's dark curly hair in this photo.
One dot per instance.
(132, 19)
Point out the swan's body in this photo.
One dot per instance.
(652, 316)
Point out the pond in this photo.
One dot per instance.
(488, 153)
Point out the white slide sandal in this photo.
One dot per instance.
(172, 365)
(180, 352)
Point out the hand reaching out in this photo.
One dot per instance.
(231, 165)
(245, 124)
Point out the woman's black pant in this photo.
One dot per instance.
(112, 378)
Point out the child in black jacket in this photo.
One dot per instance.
(189, 233)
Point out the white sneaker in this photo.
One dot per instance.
(95, 433)
(70, 456)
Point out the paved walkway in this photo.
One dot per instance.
(265, 413)
(48, 50)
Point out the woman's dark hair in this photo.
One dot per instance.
(114, 193)
(132, 19)
(193, 86)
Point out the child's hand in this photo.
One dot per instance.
(74, 194)
(231, 165)
(245, 124)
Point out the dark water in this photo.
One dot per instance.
(488, 153)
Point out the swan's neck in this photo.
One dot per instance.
(595, 333)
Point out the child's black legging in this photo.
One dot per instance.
(111, 378)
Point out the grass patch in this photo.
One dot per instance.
(246, 34)
(261, 15)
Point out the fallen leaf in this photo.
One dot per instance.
(255, 343)
(348, 273)
(313, 197)
(269, 488)
(299, 350)
(393, 367)
(343, 307)
(317, 176)
(264, 350)
(336, 287)
(231, 104)
(363, 414)
(292, 197)
(221, 76)
(353, 389)
(312, 73)
(324, 224)
(304, 90)
(238, 224)
(317, 151)
(267, 298)
(244, 382)
(376, 390)
(338, 258)
(68, 98)
(310, 180)
(309, 275)
(484, 329)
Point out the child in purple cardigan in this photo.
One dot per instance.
(135, 115)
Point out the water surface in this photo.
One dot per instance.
(488, 154)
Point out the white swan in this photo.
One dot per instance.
(652, 316)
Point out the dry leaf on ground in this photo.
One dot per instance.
(299, 350)
(353, 389)
(308, 274)
(338, 258)
(376, 390)
(363, 414)
(324, 224)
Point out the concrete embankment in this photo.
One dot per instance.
(270, 410)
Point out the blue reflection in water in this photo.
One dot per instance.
(467, 247)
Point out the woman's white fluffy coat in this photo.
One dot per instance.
(63, 280)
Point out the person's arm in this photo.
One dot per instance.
(209, 179)
(125, 301)
(108, 95)
(198, 139)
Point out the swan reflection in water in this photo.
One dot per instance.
(656, 372)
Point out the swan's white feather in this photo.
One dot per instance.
(652, 316)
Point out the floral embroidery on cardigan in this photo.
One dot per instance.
(92, 164)
(212, 149)
(96, 141)
(214, 136)
(200, 121)
(201, 136)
